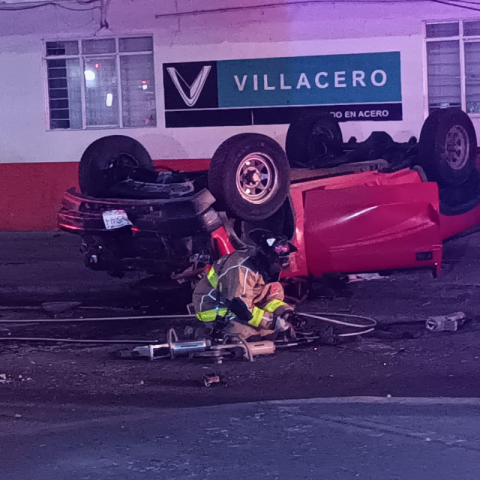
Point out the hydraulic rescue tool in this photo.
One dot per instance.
(220, 345)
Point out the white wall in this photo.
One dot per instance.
(298, 30)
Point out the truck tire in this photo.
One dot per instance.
(249, 176)
(107, 161)
(448, 147)
(311, 138)
(460, 200)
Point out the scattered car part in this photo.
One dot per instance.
(448, 147)
(446, 323)
(110, 160)
(361, 277)
(249, 176)
(313, 140)
(210, 379)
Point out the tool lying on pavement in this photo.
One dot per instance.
(231, 346)
(446, 323)
(220, 346)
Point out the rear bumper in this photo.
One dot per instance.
(179, 217)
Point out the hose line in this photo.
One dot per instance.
(99, 319)
(371, 323)
(368, 326)
(73, 340)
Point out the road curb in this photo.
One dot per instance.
(467, 401)
(364, 400)
(28, 425)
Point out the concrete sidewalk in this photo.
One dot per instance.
(401, 440)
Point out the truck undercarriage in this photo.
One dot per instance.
(171, 224)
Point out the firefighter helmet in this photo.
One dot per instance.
(276, 248)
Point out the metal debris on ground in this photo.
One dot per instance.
(361, 277)
(446, 323)
(210, 379)
(189, 332)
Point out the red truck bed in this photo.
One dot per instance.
(371, 221)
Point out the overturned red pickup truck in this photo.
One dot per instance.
(349, 207)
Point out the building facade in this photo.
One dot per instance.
(182, 76)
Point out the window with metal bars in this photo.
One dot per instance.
(453, 65)
(101, 83)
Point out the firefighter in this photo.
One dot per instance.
(242, 292)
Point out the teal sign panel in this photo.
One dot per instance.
(314, 80)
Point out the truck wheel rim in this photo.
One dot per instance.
(457, 147)
(257, 178)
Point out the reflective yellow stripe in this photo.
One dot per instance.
(273, 305)
(211, 315)
(257, 317)
(212, 277)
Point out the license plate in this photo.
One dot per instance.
(114, 219)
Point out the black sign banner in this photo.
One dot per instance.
(354, 87)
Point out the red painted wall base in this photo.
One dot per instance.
(31, 193)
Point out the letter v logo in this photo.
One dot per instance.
(190, 97)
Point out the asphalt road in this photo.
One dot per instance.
(41, 266)
(401, 440)
(401, 359)
(79, 412)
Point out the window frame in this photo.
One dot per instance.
(462, 40)
(81, 57)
